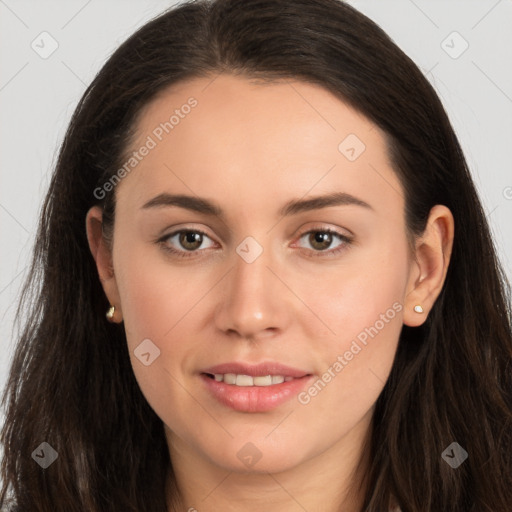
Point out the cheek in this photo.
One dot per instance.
(354, 296)
(363, 310)
(160, 304)
(156, 295)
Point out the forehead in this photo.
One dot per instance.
(230, 137)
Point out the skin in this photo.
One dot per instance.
(251, 147)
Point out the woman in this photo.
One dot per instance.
(304, 309)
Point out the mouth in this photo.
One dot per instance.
(254, 388)
(242, 380)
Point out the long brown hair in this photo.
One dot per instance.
(71, 383)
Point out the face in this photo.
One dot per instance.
(251, 276)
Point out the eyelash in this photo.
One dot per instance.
(347, 241)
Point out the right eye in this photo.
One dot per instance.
(190, 241)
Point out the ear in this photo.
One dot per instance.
(428, 271)
(102, 255)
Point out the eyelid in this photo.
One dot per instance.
(343, 232)
(316, 227)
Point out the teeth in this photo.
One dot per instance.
(244, 380)
(247, 380)
(229, 378)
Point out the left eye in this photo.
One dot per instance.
(322, 239)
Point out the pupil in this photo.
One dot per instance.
(322, 238)
(191, 238)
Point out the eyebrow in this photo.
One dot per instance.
(293, 207)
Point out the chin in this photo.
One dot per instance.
(257, 456)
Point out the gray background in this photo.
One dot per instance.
(38, 96)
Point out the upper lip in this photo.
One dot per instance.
(254, 370)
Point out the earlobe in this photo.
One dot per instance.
(102, 255)
(428, 272)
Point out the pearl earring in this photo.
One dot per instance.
(110, 313)
(418, 309)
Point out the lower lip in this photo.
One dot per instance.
(255, 398)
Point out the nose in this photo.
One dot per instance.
(254, 303)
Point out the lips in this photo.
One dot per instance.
(254, 388)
